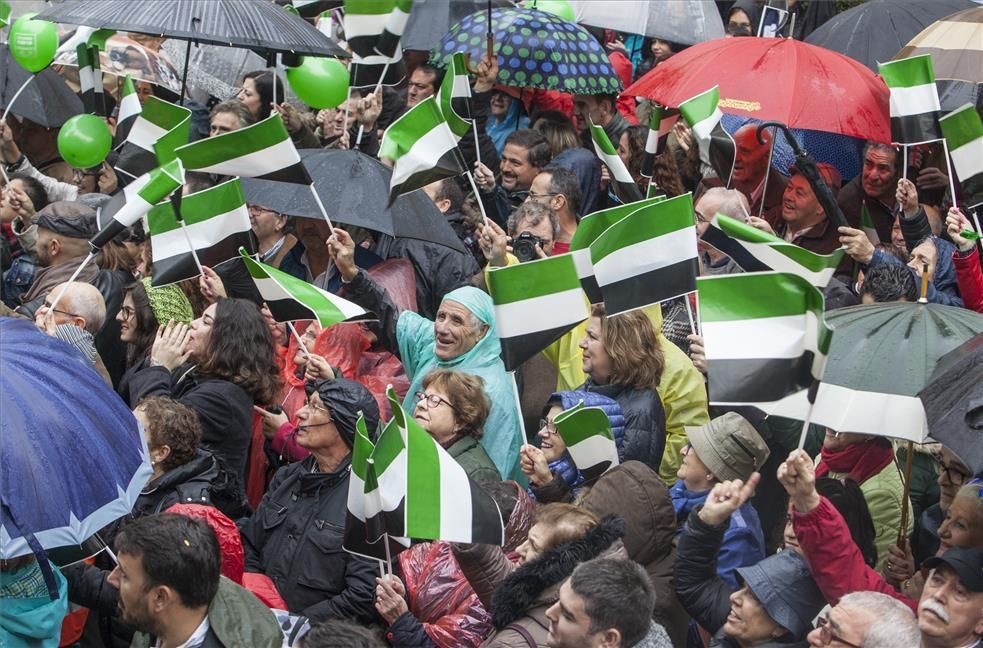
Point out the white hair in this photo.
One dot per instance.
(729, 202)
(895, 625)
(85, 300)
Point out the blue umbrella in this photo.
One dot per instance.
(73, 458)
(535, 50)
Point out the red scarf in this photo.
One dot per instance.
(860, 461)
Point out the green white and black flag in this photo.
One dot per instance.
(660, 123)
(392, 33)
(136, 200)
(90, 79)
(780, 255)
(586, 431)
(422, 147)
(765, 338)
(914, 101)
(623, 184)
(963, 132)
(717, 147)
(263, 150)
(536, 303)
(159, 127)
(365, 23)
(648, 256)
(129, 110)
(454, 97)
(291, 299)
(217, 222)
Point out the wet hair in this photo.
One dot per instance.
(537, 148)
(566, 522)
(533, 213)
(617, 594)
(558, 130)
(466, 394)
(240, 350)
(172, 424)
(34, 190)
(237, 108)
(339, 633)
(438, 74)
(177, 552)
(564, 181)
(146, 325)
(197, 181)
(637, 359)
(889, 282)
(263, 80)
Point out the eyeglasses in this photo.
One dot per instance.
(310, 404)
(955, 476)
(80, 174)
(548, 425)
(47, 304)
(533, 195)
(700, 218)
(827, 636)
(432, 400)
(127, 312)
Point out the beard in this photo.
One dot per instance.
(140, 619)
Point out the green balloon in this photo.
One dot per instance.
(559, 8)
(84, 141)
(33, 42)
(319, 82)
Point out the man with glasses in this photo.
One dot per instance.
(76, 318)
(558, 188)
(866, 620)
(953, 473)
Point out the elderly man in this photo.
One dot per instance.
(461, 336)
(867, 619)
(526, 153)
(804, 221)
(229, 116)
(601, 109)
(75, 319)
(532, 231)
(717, 200)
(276, 245)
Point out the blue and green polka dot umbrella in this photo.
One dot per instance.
(535, 50)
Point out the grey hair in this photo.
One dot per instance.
(237, 108)
(84, 300)
(533, 213)
(730, 202)
(894, 625)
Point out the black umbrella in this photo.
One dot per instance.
(953, 401)
(46, 101)
(874, 31)
(355, 190)
(431, 19)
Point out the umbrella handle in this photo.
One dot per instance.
(491, 50)
(785, 130)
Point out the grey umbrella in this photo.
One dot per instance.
(431, 19)
(355, 190)
(46, 101)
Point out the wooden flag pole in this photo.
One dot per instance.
(905, 497)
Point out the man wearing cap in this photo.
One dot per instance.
(725, 449)
(950, 613)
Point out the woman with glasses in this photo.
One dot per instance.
(295, 536)
(452, 408)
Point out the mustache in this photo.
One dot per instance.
(932, 605)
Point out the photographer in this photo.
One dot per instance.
(532, 230)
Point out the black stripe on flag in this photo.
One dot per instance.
(356, 541)
(134, 161)
(518, 349)
(593, 472)
(182, 266)
(651, 287)
(386, 522)
(295, 173)
(915, 129)
(450, 164)
(486, 519)
(627, 192)
(716, 238)
(753, 380)
(722, 153)
(592, 289)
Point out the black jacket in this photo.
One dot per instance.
(295, 537)
(224, 409)
(645, 421)
(407, 632)
(702, 593)
(111, 349)
(190, 483)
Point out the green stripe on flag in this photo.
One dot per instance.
(661, 217)
(361, 449)
(456, 72)
(533, 279)
(806, 258)
(757, 295)
(403, 133)
(423, 479)
(4, 14)
(908, 72)
(228, 146)
(963, 126)
(388, 447)
(129, 88)
(369, 7)
(601, 139)
(867, 224)
(163, 114)
(592, 226)
(656, 119)
(99, 37)
(162, 182)
(577, 424)
(700, 107)
(196, 207)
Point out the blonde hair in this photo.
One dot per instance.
(630, 341)
(566, 522)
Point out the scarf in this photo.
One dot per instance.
(49, 277)
(860, 461)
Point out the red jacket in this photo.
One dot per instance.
(834, 559)
(969, 278)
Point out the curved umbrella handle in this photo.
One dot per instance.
(491, 51)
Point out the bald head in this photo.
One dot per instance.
(82, 305)
(751, 159)
(718, 200)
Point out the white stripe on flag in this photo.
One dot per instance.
(132, 210)
(356, 496)
(424, 154)
(375, 59)
(542, 313)
(145, 134)
(128, 107)
(392, 484)
(455, 519)
(615, 165)
(646, 256)
(915, 100)
(271, 290)
(652, 142)
(703, 129)
(596, 446)
(763, 337)
(461, 87)
(203, 235)
(396, 24)
(279, 156)
(581, 261)
(364, 25)
(968, 159)
(778, 262)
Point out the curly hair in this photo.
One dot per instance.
(172, 424)
(145, 329)
(240, 349)
(637, 134)
(467, 397)
(630, 341)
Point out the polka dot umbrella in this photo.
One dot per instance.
(535, 50)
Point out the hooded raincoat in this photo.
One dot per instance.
(28, 616)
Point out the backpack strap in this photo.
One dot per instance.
(525, 634)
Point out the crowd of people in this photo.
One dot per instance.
(715, 529)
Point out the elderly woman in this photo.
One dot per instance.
(462, 337)
(295, 535)
(452, 408)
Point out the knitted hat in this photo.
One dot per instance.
(168, 303)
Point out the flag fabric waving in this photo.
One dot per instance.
(535, 304)
(159, 127)
(90, 79)
(129, 110)
(780, 255)
(717, 147)
(587, 231)
(136, 199)
(217, 222)
(385, 485)
(963, 130)
(621, 181)
(370, 29)
(652, 141)
(4, 14)
(291, 299)
(454, 97)
(388, 43)
(263, 150)
(867, 225)
(765, 338)
(914, 101)
(586, 431)
(648, 256)
(423, 148)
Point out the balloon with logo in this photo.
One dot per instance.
(33, 43)
(319, 82)
(84, 141)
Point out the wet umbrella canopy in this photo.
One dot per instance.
(46, 101)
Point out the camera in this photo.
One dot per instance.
(524, 246)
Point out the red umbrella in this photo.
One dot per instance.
(777, 79)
